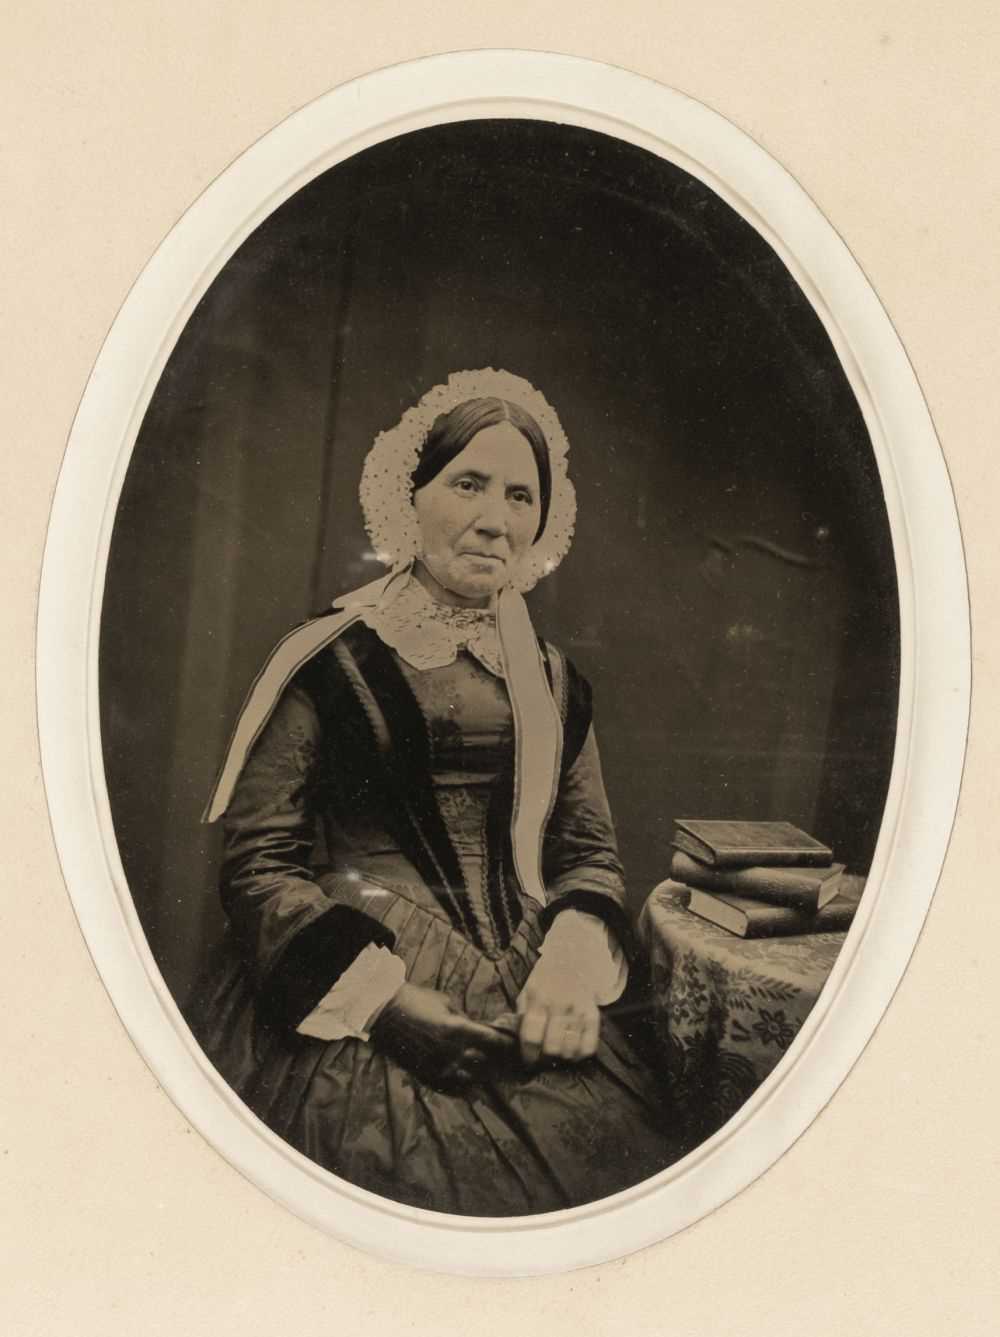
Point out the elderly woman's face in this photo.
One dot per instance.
(480, 514)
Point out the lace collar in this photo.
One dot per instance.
(427, 634)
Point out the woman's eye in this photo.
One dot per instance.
(467, 485)
(521, 494)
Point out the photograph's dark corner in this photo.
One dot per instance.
(724, 628)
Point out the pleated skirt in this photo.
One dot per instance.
(521, 1142)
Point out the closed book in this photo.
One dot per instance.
(799, 888)
(757, 919)
(749, 844)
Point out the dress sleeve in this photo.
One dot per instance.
(580, 854)
(298, 942)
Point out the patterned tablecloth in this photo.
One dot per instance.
(725, 1009)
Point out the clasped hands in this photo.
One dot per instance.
(557, 1019)
(558, 1013)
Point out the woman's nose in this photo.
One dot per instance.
(492, 518)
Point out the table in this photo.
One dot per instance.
(724, 1008)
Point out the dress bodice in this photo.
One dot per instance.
(468, 717)
(469, 723)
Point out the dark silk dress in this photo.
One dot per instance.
(375, 807)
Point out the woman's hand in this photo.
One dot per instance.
(439, 1045)
(559, 1014)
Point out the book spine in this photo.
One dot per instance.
(771, 858)
(774, 922)
(834, 918)
(781, 924)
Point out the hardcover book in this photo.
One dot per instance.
(734, 844)
(799, 888)
(756, 919)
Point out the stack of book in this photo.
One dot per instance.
(762, 879)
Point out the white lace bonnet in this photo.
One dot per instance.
(387, 491)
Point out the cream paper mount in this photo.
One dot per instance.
(935, 652)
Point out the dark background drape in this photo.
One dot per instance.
(730, 593)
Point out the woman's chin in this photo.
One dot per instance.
(470, 583)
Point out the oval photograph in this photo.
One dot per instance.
(498, 667)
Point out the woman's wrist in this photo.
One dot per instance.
(578, 945)
(595, 904)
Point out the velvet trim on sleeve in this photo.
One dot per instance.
(314, 960)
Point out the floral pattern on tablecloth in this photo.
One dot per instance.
(725, 1008)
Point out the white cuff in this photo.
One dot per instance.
(352, 1005)
(584, 945)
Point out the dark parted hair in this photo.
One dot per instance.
(452, 432)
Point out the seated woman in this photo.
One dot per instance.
(419, 1011)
